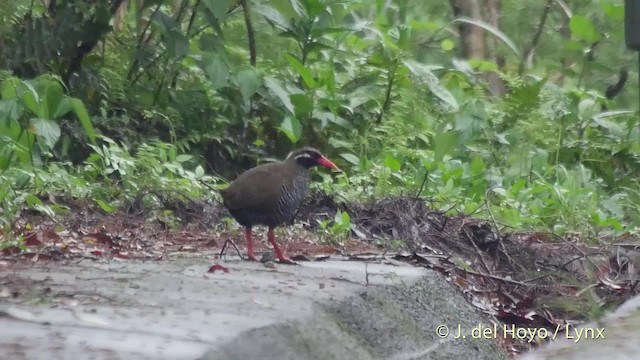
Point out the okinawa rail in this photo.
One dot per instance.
(270, 194)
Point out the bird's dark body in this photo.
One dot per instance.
(291, 195)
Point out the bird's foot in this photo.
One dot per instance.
(252, 257)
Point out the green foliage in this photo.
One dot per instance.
(171, 89)
(30, 115)
(338, 229)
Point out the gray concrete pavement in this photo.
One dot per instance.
(176, 310)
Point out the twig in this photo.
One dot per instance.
(536, 38)
(424, 181)
(224, 248)
(478, 252)
(142, 40)
(250, 32)
(585, 289)
(366, 272)
(486, 204)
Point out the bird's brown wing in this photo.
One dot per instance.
(257, 188)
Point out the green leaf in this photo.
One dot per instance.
(165, 21)
(392, 163)
(304, 72)
(291, 127)
(218, 8)
(53, 98)
(32, 100)
(445, 143)
(314, 7)
(63, 108)
(299, 8)
(273, 16)
(614, 11)
(199, 171)
(47, 129)
(276, 88)
(9, 88)
(183, 158)
(177, 44)
(302, 103)
(447, 44)
(32, 200)
(432, 81)
(369, 79)
(104, 206)
(9, 110)
(499, 34)
(217, 71)
(248, 83)
(85, 120)
(582, 28)
(350, 158)
(477, 165)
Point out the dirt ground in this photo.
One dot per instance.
(523, 278)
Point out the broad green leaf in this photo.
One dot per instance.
(47, 129)
(63, 108)
(248, 83)
(274, 86)
(165, 21)
(291, 127)
(31, 99)
(217, 71)
(614, 11)
(183, 158)
(314, 7)
(608, 114)
(9, 88)
(392, 163)
(211, 43)
(298, 8)
(177, 44)
(588, 107)
(9, 110)
(273, 16)
(499, 34)
(350, 158)
(199, 171)
(432, 81)
(302, 103)
(369, 79)
(477, 165)
(327, 117)
(5, 186)
(218, 8)
(445, 144)
(304, 72)
(104, 206)
(85, 120)
(53, 97)
(582, 28)
(32, 200)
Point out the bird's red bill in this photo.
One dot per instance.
(327, 163)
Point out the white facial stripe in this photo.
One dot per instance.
(303, 155)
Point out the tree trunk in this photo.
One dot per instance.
(496, 84)
(471, 37)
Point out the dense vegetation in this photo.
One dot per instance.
(514, 110)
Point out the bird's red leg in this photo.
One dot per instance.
(247, 234)
(279, 254)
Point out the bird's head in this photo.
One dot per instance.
(309, 157)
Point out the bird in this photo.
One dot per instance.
(270, 194)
